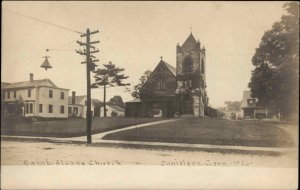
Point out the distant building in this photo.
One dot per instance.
(180, 90)
(251, 109)
(112, 111)
(34, 98)
(77, 106)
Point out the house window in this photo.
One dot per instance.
(8, 94)
(15, 94)
(30, 108)
(50, 108)
(29, 93)
(62, 109)
(41, 108)
(27, 108)
(69, 110)
(75, 111)
(62, 95)
(50, 94)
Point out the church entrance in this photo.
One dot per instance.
(187, 106)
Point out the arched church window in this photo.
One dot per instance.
(190, 84)
(202, 66)
(187, 64)
(161, 84)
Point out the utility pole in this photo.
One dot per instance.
(90, 66)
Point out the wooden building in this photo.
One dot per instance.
(251, 109)
(34, 98)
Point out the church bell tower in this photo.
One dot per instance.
(190, 75)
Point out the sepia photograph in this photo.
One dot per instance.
(149, 94)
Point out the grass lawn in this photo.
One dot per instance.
(71, 127)
(210, 131)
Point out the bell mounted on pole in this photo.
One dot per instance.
(46, 65)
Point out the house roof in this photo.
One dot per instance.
(78, 100)
(190, 42)
(254, 107)
(4, 84)
(97, 102)
(135, 100)
(116, 107)
(25, 84)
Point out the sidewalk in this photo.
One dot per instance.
(97, 140)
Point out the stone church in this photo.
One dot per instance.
(173, 91)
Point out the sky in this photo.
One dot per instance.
(134, 35)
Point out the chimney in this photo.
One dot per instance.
(31, 77)
(73, 97)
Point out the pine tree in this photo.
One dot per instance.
(110, 75)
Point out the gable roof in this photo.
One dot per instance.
(170, 67)
(4, 84)
(78, 100)
(116, 107)
(135, 100)
(97, 102)
(190, 42)
(26, 84)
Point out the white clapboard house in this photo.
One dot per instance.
(78, 105)
(34, 98)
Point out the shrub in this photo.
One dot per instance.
(114, 114)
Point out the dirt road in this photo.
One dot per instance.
(44, 153)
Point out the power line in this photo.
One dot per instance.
(61, 49)
(70, 42)
(45, 22)
(43, 52)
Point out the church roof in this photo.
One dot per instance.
(190, 42)
(170, 67)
